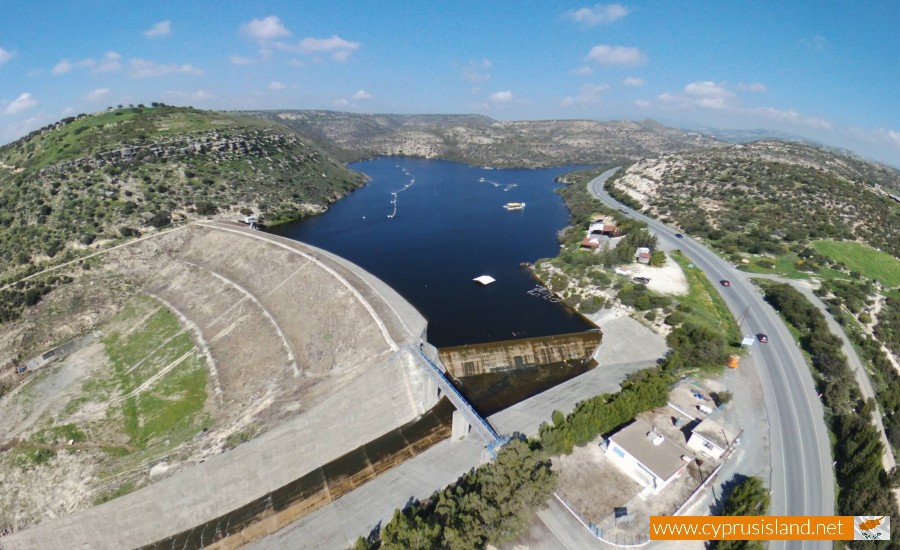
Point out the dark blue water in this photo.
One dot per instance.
(448, 227)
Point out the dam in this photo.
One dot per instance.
(324, 357)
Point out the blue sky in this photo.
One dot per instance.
(829, 71)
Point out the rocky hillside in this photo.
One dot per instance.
(482, 141)
(768, 197)
(91, 180)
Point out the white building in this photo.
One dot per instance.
(711, 439)
(647, 456)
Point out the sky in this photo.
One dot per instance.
(827, 71)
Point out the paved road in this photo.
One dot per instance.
(802, 476)
(856, 364)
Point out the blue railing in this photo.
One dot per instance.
(482, 426)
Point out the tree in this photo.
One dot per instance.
(749, 498)
(657, 258)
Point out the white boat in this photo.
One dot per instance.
(484, 280)
(514, 206)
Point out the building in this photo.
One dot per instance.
(711, 439)
(642, 255)
(647, 456)
(590, 243)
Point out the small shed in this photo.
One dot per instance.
(642, 255)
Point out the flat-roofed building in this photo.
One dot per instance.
(647, 456)
(711, 438)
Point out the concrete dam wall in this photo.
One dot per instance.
(474, 359)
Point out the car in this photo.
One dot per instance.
(642, 280)
(725, 282)
(679, 235)
(762, 338)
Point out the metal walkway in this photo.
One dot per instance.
(481, 425)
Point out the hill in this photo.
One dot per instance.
(770, 197)
(91, 180)
(482, 141)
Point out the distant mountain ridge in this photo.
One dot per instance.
(480, 140)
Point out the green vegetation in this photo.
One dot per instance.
(23, 294)
(92, 180)
(871, 263)
(586, 270)
(888, 328)
(748, 498)
(774, 199)
(862, 482)
(641, 391)
(703, 305)
(168, 411)
(492, 504)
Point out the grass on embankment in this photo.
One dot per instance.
(707, 307)
(167, 412)
(871, 263)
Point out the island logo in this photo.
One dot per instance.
(871, 528)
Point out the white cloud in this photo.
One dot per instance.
(111, 62)
(22, 103)
(616, 55)
(600, 13)
(718, 96)
(502, 97)
(163, 28)
(894, 138)
(477, 71)
(816, 43)
(199, 95)
(62, 67)
(275, 85)
(339, 48)
(5, 56)
(340, 103)
(584, 70)
(752, 87)
(590, 94)
(265, 29)
(791, 116)
(144, 68)
(362, 94)
(238, 60)
(634, 82)
(98, 94)
(705, 94)
(641, 102)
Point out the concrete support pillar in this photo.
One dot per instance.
(461, 426)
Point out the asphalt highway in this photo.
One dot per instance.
(802, 481)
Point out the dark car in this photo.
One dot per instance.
(762, 338)
(679, 235)
(725, 282)
(642, 280)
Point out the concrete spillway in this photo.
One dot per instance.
(475, 359)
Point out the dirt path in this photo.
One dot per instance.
(98, 253)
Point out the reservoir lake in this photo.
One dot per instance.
(428, 227)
